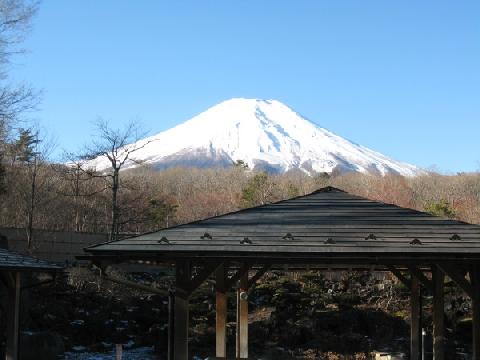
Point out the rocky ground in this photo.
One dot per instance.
(145, 353)
(307, 316)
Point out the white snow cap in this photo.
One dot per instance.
(264, 134)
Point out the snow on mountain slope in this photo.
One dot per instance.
(265, 134)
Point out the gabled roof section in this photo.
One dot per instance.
(10, 260)
(327, 222)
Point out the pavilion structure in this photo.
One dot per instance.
(327, 229)
(12, 267)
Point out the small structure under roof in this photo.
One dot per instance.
(12, 265)
(328, 228)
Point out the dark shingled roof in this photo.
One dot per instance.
(10, 260)
(325, 224)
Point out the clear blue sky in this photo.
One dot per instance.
(401, 77)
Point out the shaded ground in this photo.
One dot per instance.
(301, 317)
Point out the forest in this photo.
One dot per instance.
(40, 194)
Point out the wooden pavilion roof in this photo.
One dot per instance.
(326, 226)
(12, 261)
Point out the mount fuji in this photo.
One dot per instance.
(265, 134)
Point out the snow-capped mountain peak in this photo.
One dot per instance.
(264, 134)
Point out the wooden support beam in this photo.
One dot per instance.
(415, 320)
(398, 274)
(183, 276)
(13, 318)
(422, 278)
(438, 279)
(242, 318)
(257, 276)
(458, 278)
(236, 277)
(199, 278)
(221, 312)
(475, 278)
(148, 289)
(6, 280)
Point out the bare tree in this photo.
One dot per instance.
(32, 166)
(117, 146)
(78, 185)
(15, 101)
(15, 20)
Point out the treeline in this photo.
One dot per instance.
(40, 195)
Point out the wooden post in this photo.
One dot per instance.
(221, 312)
(438, 279)
(183, 277)
(171, 324)
(415, 319)
(118, 352)
(237, 334)
(242, 318)
(13, 318)
(475, 279)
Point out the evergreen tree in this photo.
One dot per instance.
(441, 208)
(258, 191)
(161, 212)
(240, 164)
(26, 160)
(25, 148)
